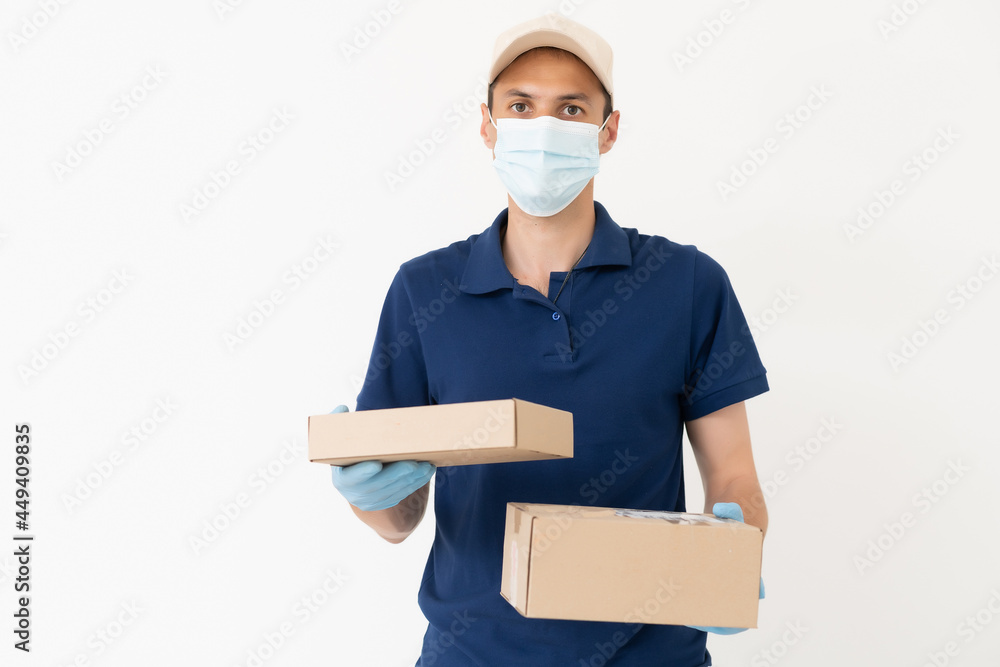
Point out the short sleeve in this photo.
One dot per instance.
(396, 375)
(723, 364)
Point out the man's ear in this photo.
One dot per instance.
(486, 129)
(610, 133)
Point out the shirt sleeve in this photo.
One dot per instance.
(723, 364)
(397, 375)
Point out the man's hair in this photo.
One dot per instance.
(551, 49)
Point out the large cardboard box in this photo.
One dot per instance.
(446, 435)
(634, 566)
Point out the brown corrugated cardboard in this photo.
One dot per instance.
(446, 435)
(633, 566)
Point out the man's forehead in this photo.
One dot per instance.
(522, 70)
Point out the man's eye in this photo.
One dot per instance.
(573, 110)
(519, 107)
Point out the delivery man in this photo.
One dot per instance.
(636, 335)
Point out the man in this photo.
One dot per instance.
(555, 303)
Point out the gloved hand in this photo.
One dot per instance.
(728, 511)
(370, 485)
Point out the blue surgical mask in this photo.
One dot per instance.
(546, 162)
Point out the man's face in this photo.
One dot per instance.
(542, 83)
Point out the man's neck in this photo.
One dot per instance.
(533, 247)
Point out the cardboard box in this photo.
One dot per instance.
(446, 435)
(633, 566)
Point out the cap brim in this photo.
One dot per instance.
(544, 38)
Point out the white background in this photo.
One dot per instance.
(114, 516)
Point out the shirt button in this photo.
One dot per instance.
(555, 316)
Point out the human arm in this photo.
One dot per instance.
(391, 498)
(396, 523)
(721, 444)
(724, 370)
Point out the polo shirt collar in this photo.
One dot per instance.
(486, 270)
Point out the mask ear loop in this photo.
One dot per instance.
(605, 123)
(491, 117)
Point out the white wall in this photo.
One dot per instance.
(188, 283)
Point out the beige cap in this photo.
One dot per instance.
(556, 30)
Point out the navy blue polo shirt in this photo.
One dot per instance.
(646, 334)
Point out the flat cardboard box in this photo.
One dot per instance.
(446, 435)
(633, 566)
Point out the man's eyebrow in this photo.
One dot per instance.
(582, 97)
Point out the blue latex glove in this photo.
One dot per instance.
(735, 512)
(370, 485)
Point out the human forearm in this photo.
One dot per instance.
(746, 492)
(390, 497)
(396, 523)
